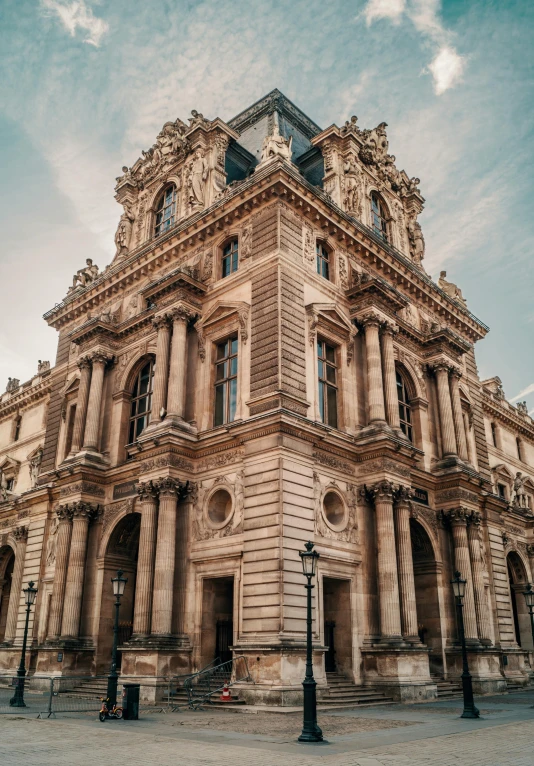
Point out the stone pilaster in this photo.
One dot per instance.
(21, 536)
(81, 406)
(390, 379)
(148, 495)
(477, 569)
(165, 558)
(457, 414)
(375, 388)
(92, 425)
(405, 564)
(458, 518)
(445, 411)
(388, 587)
(176, 397)
(82, 513)
(64, 533)
(161, 374)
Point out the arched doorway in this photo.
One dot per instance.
(7, 562)
(121, 553)
(425, 571)
(517, 578)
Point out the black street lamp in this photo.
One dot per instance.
(310, 730)
(119, 583)
(18, 698)
(529, 598)
(470, 709)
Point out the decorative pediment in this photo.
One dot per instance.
(503, 472)
(10, 467)
(332, 320)
(218, 316)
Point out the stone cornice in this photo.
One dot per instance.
(277, 180)
(520, 423)
(25, 396)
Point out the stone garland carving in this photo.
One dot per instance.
(82, 487)
(245, 250)
(384, 464)
(235, 525)
(309, 245)
(343, 272)
(350, 533)
(219, 460)
(140, 221)
(23, 514)
(333, 462)
(174, 461)
(207, 265)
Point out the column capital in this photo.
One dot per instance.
(455, 372)
(182, 313)
(81, 510)
(20, 534)
(168, 487)
(101, 357)
(84, 363)
(530, 550)
(147, 490)
(370, 319)
(64, 513)
(382, 490)
(160, 321)
(403, 495)
(458, 516)
(389, 328)
(475, 519)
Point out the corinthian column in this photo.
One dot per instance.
(445, 410)
(21, 536)
(92, 425)
(375, 390)
(405, 562)
(161, 375)
(64, 532)
(462, 560)
(477, 569)
(176, 400)
(81, 515)
(81, 406)
(148, 495)
(388, 587)
(390, 378)
(457, 415)
(165, 558)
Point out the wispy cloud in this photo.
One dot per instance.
(77, 15)
(525, 392)
(448, 66)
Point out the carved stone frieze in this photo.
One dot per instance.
(83, 487)
(112, 511)
(323, 458)
(385, 464)
(165, 461)
(220, 459)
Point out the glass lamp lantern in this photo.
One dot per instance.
(30, 594)
(458, 586)
(309, 560)
(529, 596)
(119, 583)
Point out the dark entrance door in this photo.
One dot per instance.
(330, 656)
(224, 640)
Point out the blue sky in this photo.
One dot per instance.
(87, 84)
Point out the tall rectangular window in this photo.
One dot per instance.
(230, 258)
(70, 428)
(326, 358)
(323, 261)
(226, 381)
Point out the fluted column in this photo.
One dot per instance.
(375, 389)
(161, 375)
(64, 533)
(21, 536)
(165, 558)
(148, 495)
(390, 378)
(81, 406)
(81, 516)
(388, 586)
(457, 414)
(176, 399)
(92, 425)
(462, 560)
(405, 563)
(477, 569)
(445, 410)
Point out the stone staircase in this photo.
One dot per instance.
(91, 688)
(447, 689)
(342, 692)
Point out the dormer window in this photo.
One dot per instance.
(166, 210)
(230, 258)
(379, 216)
(323, 260)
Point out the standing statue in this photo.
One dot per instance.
(35, 465)
(452, 290)
(275, 145)
(520, 496)
(417, 242)
(352, 186)
(198, 175)
(3, 486)
(124, 231)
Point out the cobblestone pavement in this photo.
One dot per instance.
(434, 736)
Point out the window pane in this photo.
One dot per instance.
(330, 354)
(321, 369)
(318, 265)
(321, 401)
(221, 350)
(234, 261)
(319, 348)
(233, 366)
(225, 267)
(219, 405)
(332, 406)
(142, 405)
(139, 425)
(220, 370)
(233, 399)
(330, 374)
(131, 432)
(234, 345)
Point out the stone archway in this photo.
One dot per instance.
(120, 553)
(7, 563)
(517, 578)
(426, 571)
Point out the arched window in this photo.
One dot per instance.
(141, 401)
(379, 216)
(405, 411)
(323, 260)
(166, 210)
(230, 258)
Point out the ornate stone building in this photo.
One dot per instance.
(266, 361)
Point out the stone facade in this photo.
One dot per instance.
(264, 362)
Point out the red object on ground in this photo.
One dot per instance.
(226, 696)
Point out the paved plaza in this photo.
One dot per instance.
(430, 734)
